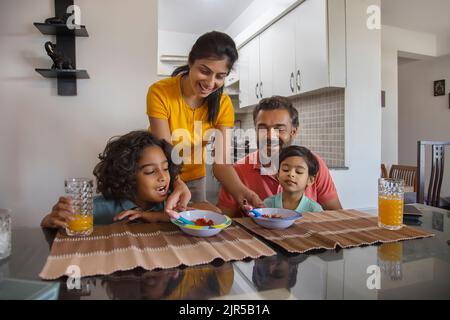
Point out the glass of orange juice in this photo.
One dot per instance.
(81, 192)
(390, 203)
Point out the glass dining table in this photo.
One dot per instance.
(413, 269)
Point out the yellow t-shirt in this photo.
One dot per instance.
(165, 101)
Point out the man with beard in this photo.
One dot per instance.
(276, 122)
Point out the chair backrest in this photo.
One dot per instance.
(384, 173)
(437, 171)
(407, 173)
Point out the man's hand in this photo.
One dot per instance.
(248, 200)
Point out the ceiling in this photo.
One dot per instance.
(432, 16)
(199, 16)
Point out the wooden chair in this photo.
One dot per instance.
(407, 174)
(437, 172)
(384, 173)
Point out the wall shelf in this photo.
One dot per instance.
(63, 73)
(60, 29)
(65, 43)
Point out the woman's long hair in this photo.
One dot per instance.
(215, 45)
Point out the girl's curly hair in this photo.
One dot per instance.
(118, 166)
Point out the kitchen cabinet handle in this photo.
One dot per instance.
(256, 90)
(260, 90)
(298, 80)
(291, 84)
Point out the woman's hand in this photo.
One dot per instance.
(131, 215)
(178, 200)
(61, 214)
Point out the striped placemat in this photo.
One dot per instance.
(120, 247)
(330, 229)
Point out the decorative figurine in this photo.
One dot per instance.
(59, 60)
(58, 20)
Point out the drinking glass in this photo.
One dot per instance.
(390, 203)
(5, 233)
(81, 192)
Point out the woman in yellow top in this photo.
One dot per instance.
(182, 108)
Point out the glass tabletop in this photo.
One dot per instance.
(413, 269)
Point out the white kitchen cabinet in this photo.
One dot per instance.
(254, 81)
(311, 46)
(266, 64)
(256, 66)
(244, 73)
(284, 56)
(303, 51)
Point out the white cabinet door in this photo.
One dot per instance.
(266, 63)
(254, 82)
(284, 56)
(244, 73)
(311, 46)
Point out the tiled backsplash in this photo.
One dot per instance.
(321, 124)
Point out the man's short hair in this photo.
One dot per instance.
(276, 103)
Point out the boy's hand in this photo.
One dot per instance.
(61, 214)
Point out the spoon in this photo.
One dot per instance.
(186, 221)
(175, 215)
(255, 213)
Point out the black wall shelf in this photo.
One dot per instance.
(60, 29)
(65, 43)
(68, 74)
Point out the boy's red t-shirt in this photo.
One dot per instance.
(249, 168)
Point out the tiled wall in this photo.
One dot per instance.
(321, 125)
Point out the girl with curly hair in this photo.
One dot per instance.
(135, 175)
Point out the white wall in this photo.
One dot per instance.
(357, 186)
(398, 42)
(422, 116)
(45, 137)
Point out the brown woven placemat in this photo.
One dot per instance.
(122, 246)
(330, 229)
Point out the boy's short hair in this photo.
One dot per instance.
(276, 103)
(118, 166)
(305, 153)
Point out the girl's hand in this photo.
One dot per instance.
(179, 199)
(131, 215)
(174, 213)
(61, 214)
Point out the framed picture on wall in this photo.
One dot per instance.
(439, 88)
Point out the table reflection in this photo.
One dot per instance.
(390, 260)
(276, 272)
(171, 284)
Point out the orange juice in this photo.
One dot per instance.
(390, 212)
(82, 225)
